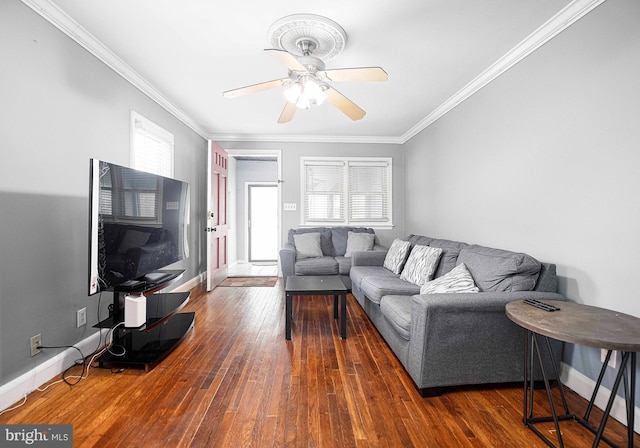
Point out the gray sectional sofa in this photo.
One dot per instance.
(332, 260)
(452, 339)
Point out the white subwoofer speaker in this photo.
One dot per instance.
(135, 310)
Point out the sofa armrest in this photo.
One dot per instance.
(373, 257)
(287, 260)
(466, 332)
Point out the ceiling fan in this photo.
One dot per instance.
(309, 39)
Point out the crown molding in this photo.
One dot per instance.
(61, 20)
(558, 23)
(305, 139)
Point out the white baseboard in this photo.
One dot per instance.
(584, 386)
(15, 390)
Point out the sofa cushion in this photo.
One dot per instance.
(397, 255)
(500, 270)
(397, 310)
(359, 241)
(419, 239)
(375, 288)
(307, 245)
(316, 266)
(449, 257)
(455, 281)
(421, 264)
(359, 273)
(325, 238)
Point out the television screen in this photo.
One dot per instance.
(137, 225)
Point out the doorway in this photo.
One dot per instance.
(262, 222)
(251, 166)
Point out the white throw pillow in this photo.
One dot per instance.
(421, 264)
(397, 255)
(307, 245)
(357, 241)
(457, 279)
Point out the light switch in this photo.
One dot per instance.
(290, 207)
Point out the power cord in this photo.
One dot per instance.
(82, 361)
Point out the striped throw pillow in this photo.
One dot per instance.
(397, 255)
(457, 279)
(421, 264)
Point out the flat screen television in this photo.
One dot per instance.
(137, 226)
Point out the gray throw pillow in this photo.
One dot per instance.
(307, 245)
(457, 279)
(397, 255)
(358, 242)
(421, 264)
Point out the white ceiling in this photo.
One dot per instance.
(186, 53)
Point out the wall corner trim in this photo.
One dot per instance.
(566, 17)
(61, 20)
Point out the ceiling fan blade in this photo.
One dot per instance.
(254, 88)
(286, 59)
(373, 74)
(344, 104)
(288, 112)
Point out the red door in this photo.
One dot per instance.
(217, 255)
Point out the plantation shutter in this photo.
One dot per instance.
(324, 192)
(369, 192)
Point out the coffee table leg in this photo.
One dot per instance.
(343, 316)
(287, 312)
(335, 306)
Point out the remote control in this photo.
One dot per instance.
(541, 305)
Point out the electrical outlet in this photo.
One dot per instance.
(612, 360)
(36, 343)
(81, 317)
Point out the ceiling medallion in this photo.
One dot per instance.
(329, 37)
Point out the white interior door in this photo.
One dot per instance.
(217, 216)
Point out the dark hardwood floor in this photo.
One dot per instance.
(235, 381)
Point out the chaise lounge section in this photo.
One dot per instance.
(454, 339)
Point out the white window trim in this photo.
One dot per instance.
(345, 161)
(138, 121)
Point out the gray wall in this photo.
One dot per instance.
(60, 107)
(546, 160)
(291, 154)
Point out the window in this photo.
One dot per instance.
(346, 191)
(151, 147)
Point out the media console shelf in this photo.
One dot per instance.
(163, 330)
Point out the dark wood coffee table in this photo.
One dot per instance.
(584, 325)
(316, 285)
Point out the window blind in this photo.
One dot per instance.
(347, 191)
(152, 149)
(369, 192)
(324, 192)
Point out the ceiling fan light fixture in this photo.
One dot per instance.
(305, 94)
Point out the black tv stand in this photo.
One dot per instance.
(165, 327)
